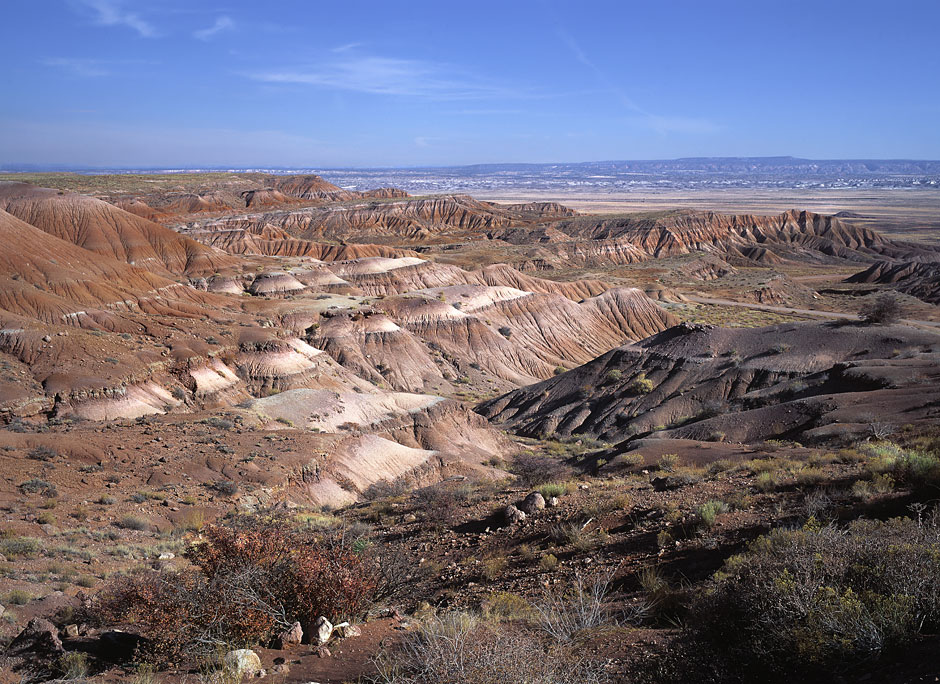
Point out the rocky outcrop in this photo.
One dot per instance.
(918, 279)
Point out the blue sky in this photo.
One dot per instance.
(355, 83)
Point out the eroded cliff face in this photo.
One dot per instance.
(795, 236)
(917, 278)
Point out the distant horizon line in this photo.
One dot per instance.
(183, 168)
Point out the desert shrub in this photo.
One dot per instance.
(106, 500)
(72, 665)
(460, 648)
(42, 453)
(632, 460)
(809, 477)
(668, 462)
(577, 534)
(532, 470)
(439, 505)
(132, 522)
(767, 481)
(823, 599)
(641, 384)
(503, 605)
(37, 486)
(884, 309)
(911, 466)
(548, 562)
(493, 567)
(663, 602)
(387, 489)
(709, 511)
(567, 609)
(862, 489)
(220, 423)
(22, 547)
(553, 489)
(246, 581)
(663, 539)
(46, 518)
(613, 375)
(17, 597)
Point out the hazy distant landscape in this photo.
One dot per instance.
(320, 364)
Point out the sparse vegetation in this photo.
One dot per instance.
(884, 309)
(821, 598)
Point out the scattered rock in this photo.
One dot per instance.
(552, 501)
(242, 662)
(323, 652)
(281, 668)
(347, 630)
(289, 637)
(532, 503)
(323, 629)
(71, 631)
(409, 518)
(513, 515)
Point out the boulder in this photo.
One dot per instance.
(513, 515)
(323, 628)
(532, 503)
(346, 630)
(39, 641)
(242, 662)
(289, 637)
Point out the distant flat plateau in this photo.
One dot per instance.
(911, 213)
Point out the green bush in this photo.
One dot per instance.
(822, 599)
(641, 384)
(708, 512)
(553, 489)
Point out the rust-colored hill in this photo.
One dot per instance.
(110, 231)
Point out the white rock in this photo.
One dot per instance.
(323, 628)
(242, 662)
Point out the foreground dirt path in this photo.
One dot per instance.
(927, 325)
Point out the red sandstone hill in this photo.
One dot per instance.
(108, 230)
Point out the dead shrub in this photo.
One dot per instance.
(247, 581)
(532, 470)
(460, 648)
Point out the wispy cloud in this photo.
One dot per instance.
(87, 68)
(113, 13)
(657, 122)
(389, 76)
(223, 23)
(346, 48)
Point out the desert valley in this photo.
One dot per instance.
(579, 439)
